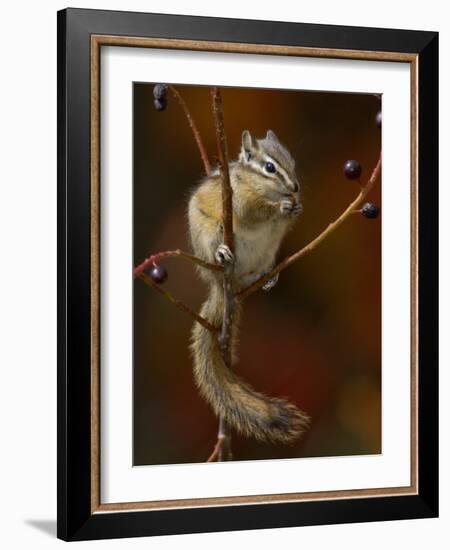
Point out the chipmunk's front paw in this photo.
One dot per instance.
(288, 206)
(224, 255)
(271, 283)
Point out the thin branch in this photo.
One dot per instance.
(312, 245)
(171, 254)
(222, 153)
(177, 303)
(224, 436)
(198, 139)
(222, 448)
(227, 217)
(224, 440)
(215, 454)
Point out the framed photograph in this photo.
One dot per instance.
(247, 255)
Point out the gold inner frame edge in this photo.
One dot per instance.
(210, 46)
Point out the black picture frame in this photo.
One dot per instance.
(75, 518)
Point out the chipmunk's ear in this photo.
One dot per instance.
(271, 136)
(248, 143)
(248, 146)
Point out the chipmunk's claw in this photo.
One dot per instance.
(271, 283)
(224, 255)
(287, 206)
(297, 209)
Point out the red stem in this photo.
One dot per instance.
(197, 137)
(170, 254)
(224, 435)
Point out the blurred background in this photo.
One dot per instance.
(316, 337)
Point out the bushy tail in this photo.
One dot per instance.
(249, 412)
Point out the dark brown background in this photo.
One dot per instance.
(316, 337)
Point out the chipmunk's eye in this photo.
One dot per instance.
(270, 167)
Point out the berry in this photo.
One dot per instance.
(378, 119)
(159, 91)
(158, 273)
(160, 104)
(352, 169)
(370, 210)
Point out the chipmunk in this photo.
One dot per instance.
(266, 203)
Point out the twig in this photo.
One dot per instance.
(174, 253)
(224, 437)
(197, 137)
(309, 247)
(222, 449)
(215, 454)
(177, 303)
(222, 154)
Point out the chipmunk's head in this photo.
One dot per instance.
(271, 160)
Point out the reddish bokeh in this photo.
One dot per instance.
(316, 337)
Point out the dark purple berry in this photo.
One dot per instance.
(378, 119)
(370, 210)
(160, 104)
(352, 169)
(159, 91)
(158, 273)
